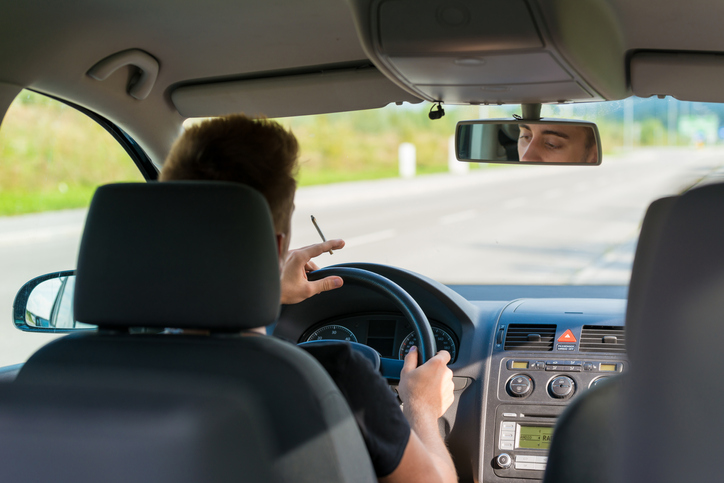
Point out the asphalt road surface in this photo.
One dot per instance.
(510, 225)
(516, 225)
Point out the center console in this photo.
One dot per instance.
(538, 367)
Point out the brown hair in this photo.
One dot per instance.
(256, 152)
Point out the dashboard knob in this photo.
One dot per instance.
(520, 385)
(597, 380)
(561, 387)
(503, 461)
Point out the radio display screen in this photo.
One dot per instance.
(535, 437)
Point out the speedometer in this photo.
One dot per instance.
(332, 332)
(443, 340)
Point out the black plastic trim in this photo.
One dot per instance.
(137, 154)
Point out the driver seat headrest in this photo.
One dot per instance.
(197, 255)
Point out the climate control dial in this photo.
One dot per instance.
(520, 385)
(561, 387)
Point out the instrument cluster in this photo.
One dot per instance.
(390, 335)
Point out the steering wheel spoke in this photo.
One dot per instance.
(391, 368)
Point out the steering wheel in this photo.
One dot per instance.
(426, 346)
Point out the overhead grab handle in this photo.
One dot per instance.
(140, 84)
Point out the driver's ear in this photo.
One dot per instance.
(282, 246)
(281, 250)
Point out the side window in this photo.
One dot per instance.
(52, 158)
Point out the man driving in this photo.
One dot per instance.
(403, 445)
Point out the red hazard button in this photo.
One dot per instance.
(567, 337)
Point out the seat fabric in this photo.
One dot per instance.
(132, 432)
(316, 438)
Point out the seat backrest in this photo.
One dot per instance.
(671, 427)
(200, 255)
(60, 433)
(585, 443)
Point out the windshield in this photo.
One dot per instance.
(384, 181)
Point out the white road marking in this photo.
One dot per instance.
(370, 238)
(39, 234)
(515, 203)
(457, 217)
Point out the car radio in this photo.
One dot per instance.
(531, 394)
(523, 436)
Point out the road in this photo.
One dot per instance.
(510, 225)
(517, 225)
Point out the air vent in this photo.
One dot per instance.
(602, 338)
(530, 337)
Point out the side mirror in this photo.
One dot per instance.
(45, 304)
(560, 142)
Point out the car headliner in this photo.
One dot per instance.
(49, 46)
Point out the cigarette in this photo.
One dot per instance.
(314, 221)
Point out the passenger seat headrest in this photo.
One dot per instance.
(178, 254)
(672, 398)
(684, 273)
(651, 228)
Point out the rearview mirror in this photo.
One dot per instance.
(505, 141)
(45, 304)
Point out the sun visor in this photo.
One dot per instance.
(684, 76)
(292, 95)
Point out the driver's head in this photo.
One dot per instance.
(557, 143)
(256, 152)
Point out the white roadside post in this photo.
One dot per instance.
(453, 165)
(407, 160)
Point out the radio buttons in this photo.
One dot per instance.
(507, 435)
(520, 385)
(530, 466)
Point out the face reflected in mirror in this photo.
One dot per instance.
(557, 143)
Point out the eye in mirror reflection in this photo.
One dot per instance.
(558, 142)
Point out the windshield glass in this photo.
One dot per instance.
(384, 181)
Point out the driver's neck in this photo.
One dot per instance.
(253, 330)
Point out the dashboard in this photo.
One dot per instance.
(517, 363)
